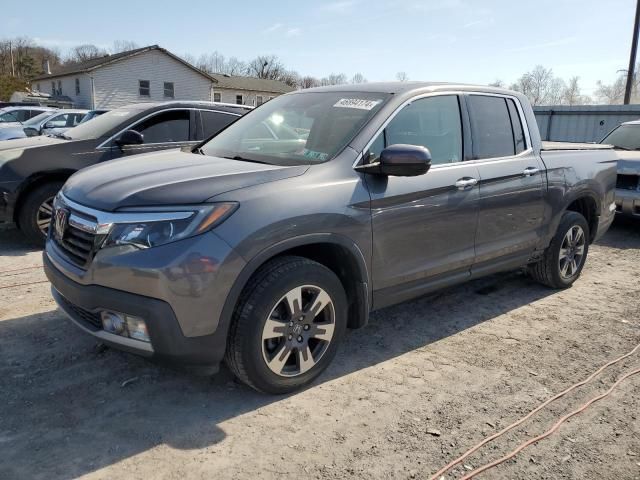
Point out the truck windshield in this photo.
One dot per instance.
(298, 129)
(104, 124)
(626, 137)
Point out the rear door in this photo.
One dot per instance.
(163, 130)
(423, 227)
(212, 121)
(511, 181)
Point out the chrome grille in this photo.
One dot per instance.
(74, 234)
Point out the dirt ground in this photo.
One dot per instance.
(422, 383)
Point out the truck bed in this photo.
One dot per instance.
(573, 146)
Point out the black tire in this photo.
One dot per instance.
(548, 271)
(265, 291)
(28, 213)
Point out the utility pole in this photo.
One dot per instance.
(632, 58)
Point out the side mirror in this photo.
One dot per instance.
(31, 132)
(130, 137)
(400, 161)
(49, 125)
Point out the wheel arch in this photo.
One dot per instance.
(586, 203)
(336, 252)
(36, 180)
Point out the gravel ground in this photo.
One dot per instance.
(422, 383)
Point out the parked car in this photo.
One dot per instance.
(626, 139)
(264, 253)
(93, 114)
(16, 116)
(32, 170)
(47, 123)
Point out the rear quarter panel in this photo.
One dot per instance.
(572, 174)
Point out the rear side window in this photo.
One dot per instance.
(432, 122)
(491, 127)
(516, 124)
(171, 126)
(213, 122)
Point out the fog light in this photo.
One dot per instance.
(113, 322)
(137, 328)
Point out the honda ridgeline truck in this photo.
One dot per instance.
(262, 245)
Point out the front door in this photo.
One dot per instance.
(164, 130)
(511, 183)
(423, 227)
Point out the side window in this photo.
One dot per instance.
(58, 121)
(516, 125)
(491, 127)
(213, 122)
(433, 122)
(24, 115)
(171, 126)
(74, 119)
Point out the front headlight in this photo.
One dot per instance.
(158, 226)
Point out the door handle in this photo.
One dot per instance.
(529, 171)
(466, 182)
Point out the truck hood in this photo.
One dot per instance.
(31, 142)
(167, 178)
(628, 162)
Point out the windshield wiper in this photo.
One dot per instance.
(243, 159)
(61, 135)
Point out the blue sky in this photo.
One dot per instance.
(443, 40)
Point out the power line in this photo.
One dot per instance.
(632, 57)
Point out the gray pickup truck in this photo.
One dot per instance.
(262, 249)
(625, 138)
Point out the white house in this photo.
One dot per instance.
(150, 74)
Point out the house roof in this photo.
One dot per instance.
(98, 62)
(250, 83)
(222, 81)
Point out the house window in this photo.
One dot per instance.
(239, 99)
(77, 86)
(38, 87)
(59, 87)
(259, 100)
(168, 90)
(217, 97)
(53, 88)
(144, 88)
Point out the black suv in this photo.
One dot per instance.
(32, 170)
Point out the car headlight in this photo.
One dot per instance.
(158, 226)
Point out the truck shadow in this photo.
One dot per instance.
(71, 407)
(13, 243)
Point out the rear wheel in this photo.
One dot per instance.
(287, 325)
(34, 216)
(565, 257)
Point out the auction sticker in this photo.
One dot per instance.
(359, 103)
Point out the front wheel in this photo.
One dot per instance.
(287, 326)
(565, 257)
(34, 216)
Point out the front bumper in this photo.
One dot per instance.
(83, 302)
(628, 202)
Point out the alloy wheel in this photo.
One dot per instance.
(43, 218)
(298, 331)
(572, 252)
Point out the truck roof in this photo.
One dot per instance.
(404, 87)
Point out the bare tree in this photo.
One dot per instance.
(497, 83)
(123, 46)
(402, 77)
(358, 78)
(612, 94)
(233, 66)
(337, 79)
(541, 86)
(308, 82)
(266, 66)
(82, 53)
